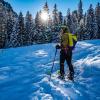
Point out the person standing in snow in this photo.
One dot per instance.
(66, 52)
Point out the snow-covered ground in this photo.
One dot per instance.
(23, 73)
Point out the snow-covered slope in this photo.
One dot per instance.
(23, 73)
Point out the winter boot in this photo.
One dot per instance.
(61, 76)
(71, 76)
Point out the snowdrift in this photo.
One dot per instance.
(23, 73)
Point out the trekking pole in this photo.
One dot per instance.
(53, 65)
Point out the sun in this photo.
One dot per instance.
(44, 16)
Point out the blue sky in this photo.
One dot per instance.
(36, 5)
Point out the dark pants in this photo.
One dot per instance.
(66, 56)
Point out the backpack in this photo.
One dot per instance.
(72, 40)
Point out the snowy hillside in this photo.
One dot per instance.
(23, 73)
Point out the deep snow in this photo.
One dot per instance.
(23, 73)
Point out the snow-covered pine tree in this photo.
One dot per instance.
(3, 23)
(14, 37)
(40, 21)
(74, 22)
(55, 15)
(22, 37)
(83, 27)
(39, 36)
(46, 25)
(49, 21)
(81, 32)
(17, 37)
(47, 35)
(29, 28)
(60, 18)
(97, 14)
(37, 20)
(10, 24)
(84, 19)
(46, 10)
(91, 25)
(80, 11)
(64, 22)
(69, 20)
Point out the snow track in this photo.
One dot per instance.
(23, 73)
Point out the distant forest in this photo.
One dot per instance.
(16, 30)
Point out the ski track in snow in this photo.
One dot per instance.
(23, 73)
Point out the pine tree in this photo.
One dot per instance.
(74, 22)
(17, 37)
(29, 28)
(60, 18)
(37, 20)
(64, 22)
(3, 23)
(14, 37)
(91, 24)
(80, 11)
(46, 8)
(97, 14)
(22, 38)
(83, 28)
(84, 19)
(50, 21)
(40, 21)
(69, 21)
(81, 32)
(10, 24)
(55, 15)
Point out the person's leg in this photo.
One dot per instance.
(69, 61)
(62, 60)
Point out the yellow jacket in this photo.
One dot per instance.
(67, 39)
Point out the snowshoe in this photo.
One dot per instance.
(61, 77)
(71, 76)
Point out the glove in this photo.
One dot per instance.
(58, 47)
